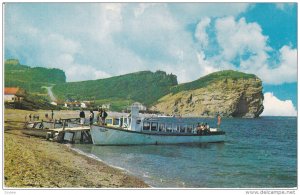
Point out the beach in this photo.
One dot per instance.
(31, 162)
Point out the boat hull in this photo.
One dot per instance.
(102, 135)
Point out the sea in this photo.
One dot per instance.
(257, 153)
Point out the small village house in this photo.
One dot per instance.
(72, 104)
(13, 94)
(58, 103)
(83, 105)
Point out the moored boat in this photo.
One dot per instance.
(136, 130)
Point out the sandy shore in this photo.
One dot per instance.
(31, 162)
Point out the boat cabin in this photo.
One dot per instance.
(161, 126)
(122, 122)
(153, 125)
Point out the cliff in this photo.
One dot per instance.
(31, 78)
(230, 93)
(144, 86)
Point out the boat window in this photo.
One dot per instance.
(153, 126)
(169, 127)
(108, 121)
(121, 122)
(125, 120)
(146, 126)
(177, 128)
(189, 128)
(161, 127)
(116, 121)
(182, 128)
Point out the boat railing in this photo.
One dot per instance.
(68, 122)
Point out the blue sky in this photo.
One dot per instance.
(100, 40)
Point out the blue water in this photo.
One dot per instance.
(257, 153)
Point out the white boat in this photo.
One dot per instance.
(151, 131)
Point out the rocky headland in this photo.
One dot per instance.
(229, 93)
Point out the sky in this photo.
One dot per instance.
(99, 40)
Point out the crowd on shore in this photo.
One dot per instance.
(100, 117)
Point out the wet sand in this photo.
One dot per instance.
(31, 162)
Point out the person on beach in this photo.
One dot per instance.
(82, 117)
(99, 114)
(103, 116)
(41, 125)
(30, 117)
(52, 114)
(91, 117)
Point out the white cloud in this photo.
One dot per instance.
(239, 37)
(285, 71)
(196, 11)
(208, 67)
(117, 38)
(86, 72)
(244, 42)
(114, 38)
(275, 107)
(200, 32)
(284, 6)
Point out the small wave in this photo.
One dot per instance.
(96, 158)
(126, 171)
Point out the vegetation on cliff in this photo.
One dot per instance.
(232, 93)
(31, 79)
(145, 87)
(229, 93)
(211, 78)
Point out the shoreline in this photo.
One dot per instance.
(31, 162)
(93, 157)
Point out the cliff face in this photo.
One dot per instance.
(229, 97)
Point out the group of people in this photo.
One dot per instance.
(101, 116)
(202, 128)
(32, 117)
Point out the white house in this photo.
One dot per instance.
(54, 103)
(13, 94)
(83, 105)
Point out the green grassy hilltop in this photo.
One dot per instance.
(156, 89)
(145, 87)
(211, 78)
(31, 79)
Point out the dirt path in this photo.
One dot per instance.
(50, 93)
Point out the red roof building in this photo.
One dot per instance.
(12, 94)
(11, 90)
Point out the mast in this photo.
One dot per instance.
(134, 117)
